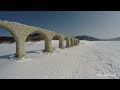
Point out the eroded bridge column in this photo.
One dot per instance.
(20, 48)
(61, 43)
(72, 42)
(68, 44)
(48, 45)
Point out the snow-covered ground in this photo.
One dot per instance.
(88, 60)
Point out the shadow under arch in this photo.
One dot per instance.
(58, 43)
(36, 36)
(10, 31)
(12, 39)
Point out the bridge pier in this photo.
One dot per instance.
(78, 42)
(20, 49)
(48, 45)
(61, 43)
(68, 43)
(72, 42)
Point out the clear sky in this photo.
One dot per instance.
(99, 24)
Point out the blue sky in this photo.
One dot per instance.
(99, 24)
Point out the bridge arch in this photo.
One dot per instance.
(15, 37)
(42, 35)
(60, 40)
(10, 31)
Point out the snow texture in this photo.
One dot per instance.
(88, 60)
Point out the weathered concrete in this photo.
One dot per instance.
(72, 41)
(78, 42)
(20, 33)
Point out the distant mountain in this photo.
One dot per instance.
(89, 38)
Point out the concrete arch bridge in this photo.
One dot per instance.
(20, 33)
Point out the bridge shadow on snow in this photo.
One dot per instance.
(7, 56)
(36, 51)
